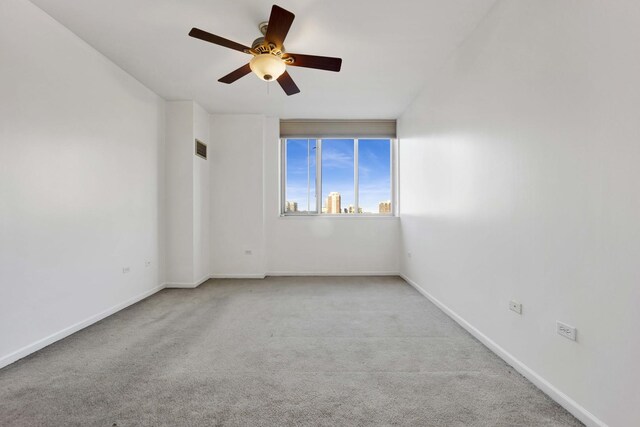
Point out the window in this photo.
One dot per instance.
(338, 179)
(300, 176)
(352, 176)
(374, 175)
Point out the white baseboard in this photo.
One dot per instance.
(279, 273)
(195, 284)
(238, 276)
(40, 344)
(333, 273)
(565, 401)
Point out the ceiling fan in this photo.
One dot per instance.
(270, 59)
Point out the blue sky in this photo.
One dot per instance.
(337, 171)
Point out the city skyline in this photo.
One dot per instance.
(338, 164)
(333, 206)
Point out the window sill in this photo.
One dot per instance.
(342, 216)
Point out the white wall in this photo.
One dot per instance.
(520, 181)
(236, 195)
(187, 201)
(246, 217)
(201, 198)
(180, 192)
(81, 179)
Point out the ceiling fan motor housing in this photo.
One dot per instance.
(260, 45)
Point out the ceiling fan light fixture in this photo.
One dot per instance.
(268, 51)
(267, 66)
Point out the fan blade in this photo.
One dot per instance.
(279, 23)
(287, 84)
(310, 61)
(212, 38)
(235, 75)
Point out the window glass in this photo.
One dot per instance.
(351, 176)
(337, 176)
(374, 176)
(300, 186)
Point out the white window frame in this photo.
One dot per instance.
(318, 189)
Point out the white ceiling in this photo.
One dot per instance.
(390, 49)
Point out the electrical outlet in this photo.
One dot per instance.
(566, 331)
(147, 263)
(125, 270)
(515, 306)
(248, 252)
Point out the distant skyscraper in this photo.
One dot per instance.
(384, 207)
(333, 203)
(291, 207)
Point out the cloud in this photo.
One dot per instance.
(336, 159)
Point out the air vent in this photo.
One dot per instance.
(201, 149)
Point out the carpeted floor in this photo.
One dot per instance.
(330, 351)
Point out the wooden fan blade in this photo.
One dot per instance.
(279, 23)
(235, 75)
(287, 84)
(212, 38)
(319, 62)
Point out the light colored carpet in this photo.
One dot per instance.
(326, 351)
